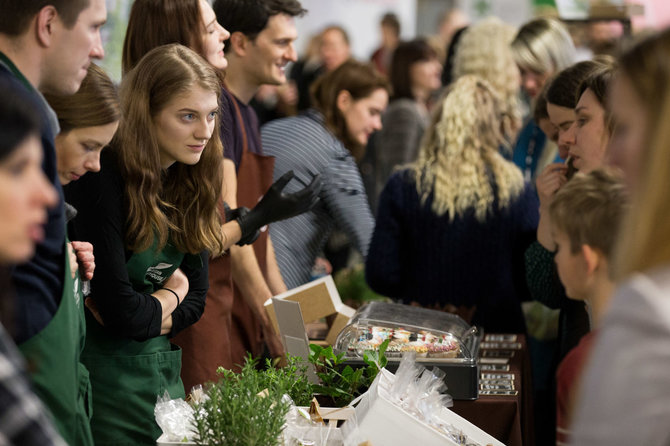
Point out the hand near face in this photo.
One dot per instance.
(84, 259)
(549, 181)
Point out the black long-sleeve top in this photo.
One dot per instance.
(417, 255)
(100, 201)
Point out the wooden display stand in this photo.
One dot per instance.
(318, 299)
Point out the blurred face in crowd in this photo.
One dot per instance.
(72, 50)
(572, 267)
(426, 75)
(213, 36)
(549, 129)
(630, 131)
(591, 136)
(25, 194)
(184, 126)
(563, 119)
(334, 49)
(532, 81)
(389, 36)
(78, 151)
(362, 116)
(272, 50)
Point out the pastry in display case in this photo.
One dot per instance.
(437, 338)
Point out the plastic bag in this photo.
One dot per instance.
(301, 430)
(420, 392)
(175, 418)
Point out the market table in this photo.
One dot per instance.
(509, 418)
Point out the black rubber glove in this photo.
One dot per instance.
(234, 214)
(276, 205)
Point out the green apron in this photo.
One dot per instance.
(53, 357)
(127, 375)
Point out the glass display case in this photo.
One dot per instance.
(438, 338)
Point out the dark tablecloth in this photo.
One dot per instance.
(507, 418)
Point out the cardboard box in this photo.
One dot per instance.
(318, 299)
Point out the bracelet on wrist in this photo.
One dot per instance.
(175, 295)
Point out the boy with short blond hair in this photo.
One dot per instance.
(585, 216)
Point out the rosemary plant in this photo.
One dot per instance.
(237, 415)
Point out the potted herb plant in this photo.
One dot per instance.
(341, 383)
(247, 409)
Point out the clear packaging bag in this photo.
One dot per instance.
(175, 418)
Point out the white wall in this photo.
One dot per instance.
(360, 18)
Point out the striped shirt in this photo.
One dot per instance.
(304, 145)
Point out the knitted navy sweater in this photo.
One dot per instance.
(418, 256)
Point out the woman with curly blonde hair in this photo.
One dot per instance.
(484, 51)
(452, 227)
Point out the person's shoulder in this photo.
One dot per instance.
(226, 104)
(301, 129)
(287, 122)
(8, 80)
(402, 176)
(403, 104)
(402, 109)
(279, 124)
(644, 294)
(400, 181)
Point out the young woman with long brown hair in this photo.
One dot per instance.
(151, 214)
(193, 23)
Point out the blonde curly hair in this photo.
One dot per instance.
(459, 161)
(484, 50)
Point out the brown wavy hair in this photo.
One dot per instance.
(360, 80)
(96, 102)
(153, 23)
(599, 82)
(179, 203)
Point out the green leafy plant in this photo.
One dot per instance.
(247, 409)
(290, 379)
(342, 382)
(244, 409)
